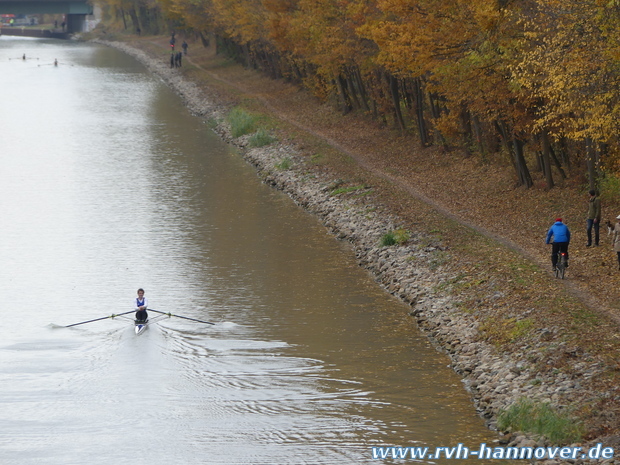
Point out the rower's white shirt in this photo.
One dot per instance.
(135, 303)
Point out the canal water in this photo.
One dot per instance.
(108, 184)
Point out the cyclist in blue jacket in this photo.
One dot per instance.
(561, 238)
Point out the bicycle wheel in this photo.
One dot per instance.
(562, 265)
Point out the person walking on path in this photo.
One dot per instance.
(616, 239)
(594, 218)
(561, 238)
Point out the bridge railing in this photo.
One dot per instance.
(29, 32)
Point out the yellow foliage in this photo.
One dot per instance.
(536, 66)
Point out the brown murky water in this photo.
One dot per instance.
(107, 184)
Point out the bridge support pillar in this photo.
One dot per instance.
(76, 23)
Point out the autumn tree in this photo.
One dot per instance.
(570, 64)
(539, 78)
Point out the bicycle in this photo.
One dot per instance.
(560, 267)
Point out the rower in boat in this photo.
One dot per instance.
(141, 304)
(142, 318)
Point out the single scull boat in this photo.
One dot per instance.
(140, 326)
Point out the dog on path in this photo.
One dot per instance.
(610, 227)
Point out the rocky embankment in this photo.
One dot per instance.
(408, 271)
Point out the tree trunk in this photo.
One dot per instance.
(352, 91)
(205, 40)
(468, 133)
(556, 162)
(342, 90)
(436, 112)
(418, 96)
(145, 20)
(124, 19)
(134, 18)
(546, 162)
(477, 133)
(525, 179)
(248, 62)
(357, 76)
(503, 132)
(398, 114)
(565, 158)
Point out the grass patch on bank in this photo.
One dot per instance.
(285, 164)
(261, 138)
(541, 419)
(399, 236)
(505, 331)
(317, 159)
(242, 122)
(212, 123)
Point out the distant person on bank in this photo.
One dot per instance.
(616, 239)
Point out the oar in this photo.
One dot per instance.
(99, 319)
(179, 316)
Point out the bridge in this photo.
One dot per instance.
(75, 11)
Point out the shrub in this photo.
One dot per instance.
(285, 164)
(388, 239)
(261, 138)
(399, 236)
(542, 419)
(241, 122)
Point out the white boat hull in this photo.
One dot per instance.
(141, 326)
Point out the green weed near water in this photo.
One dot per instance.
(285, 164)
(399, 236)
(261, 138)
(542, 419)
(241, 122)
(212, 123)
